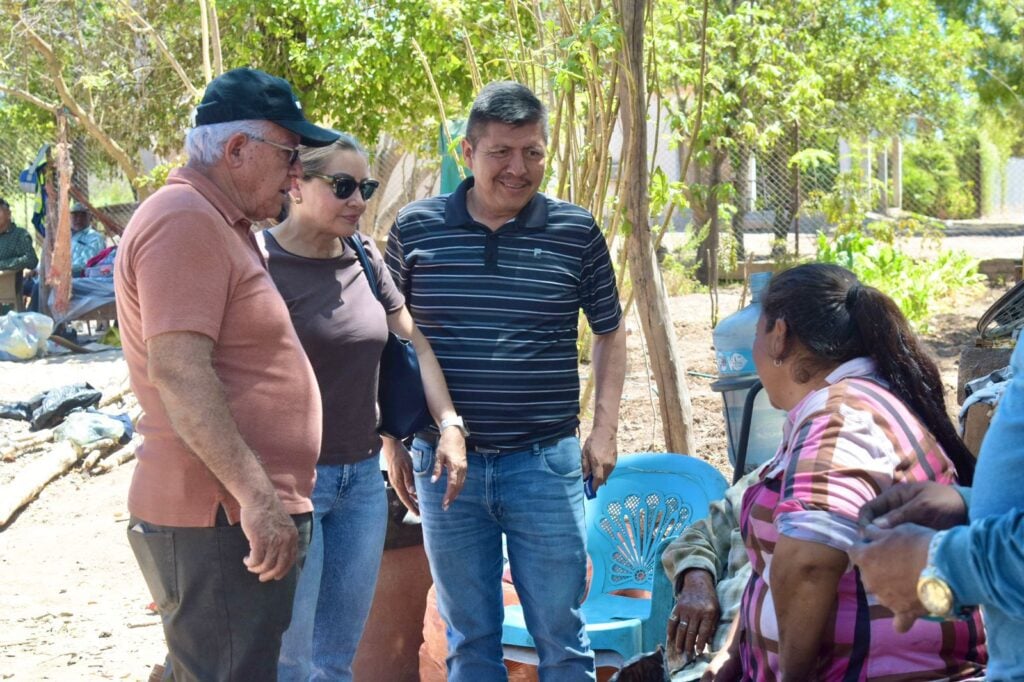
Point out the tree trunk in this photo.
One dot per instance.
(652, 303)
(33, 478)
(741, 173)
(705, 209)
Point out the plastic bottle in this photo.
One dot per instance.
(733, 338)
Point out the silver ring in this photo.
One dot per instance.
(673, 617)
(683, 623)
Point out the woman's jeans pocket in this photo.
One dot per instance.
(154, 550)
(422, 458)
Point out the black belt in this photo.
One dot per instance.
(472, 445)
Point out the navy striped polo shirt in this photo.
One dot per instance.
(500, 308)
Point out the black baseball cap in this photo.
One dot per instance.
(251, 94)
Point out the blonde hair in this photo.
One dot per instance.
(315, 159)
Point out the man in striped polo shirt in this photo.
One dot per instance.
(495, 275)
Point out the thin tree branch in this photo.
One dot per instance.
(29, 98)
(55, 69)
(144, 26)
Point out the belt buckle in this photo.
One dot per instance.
(486, 451)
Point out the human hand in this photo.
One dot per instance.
(925, 503)
(600, 452)
(273, 539)
(694, 618)
(890, 562)
(400, 473)
(724, 667)
(450, 455)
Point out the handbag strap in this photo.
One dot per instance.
(371, 274)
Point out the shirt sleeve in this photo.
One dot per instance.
(392, 298)
(395, 258)
(599, 296)
(984, 561)
(834, 468)
(183, 276)
(703, 545)
(84, 248)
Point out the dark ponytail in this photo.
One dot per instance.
(837, 319)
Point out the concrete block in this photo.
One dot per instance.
(976, 425)
(977, 362)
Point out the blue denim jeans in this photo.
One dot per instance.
(535, 497)
(337, 582)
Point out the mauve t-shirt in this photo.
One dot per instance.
(343, 329)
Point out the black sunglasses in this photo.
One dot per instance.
(344, 185)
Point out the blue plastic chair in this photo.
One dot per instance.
(646, 502)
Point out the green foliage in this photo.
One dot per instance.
(931, 181)
(923, 285)
(116, 75)
(879, 253)
(354, 62)
(678, 268)
(997, 28)
(156, 178)
(996, 137)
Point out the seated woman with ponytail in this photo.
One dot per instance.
(866, 411)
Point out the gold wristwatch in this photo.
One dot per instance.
(932, 589)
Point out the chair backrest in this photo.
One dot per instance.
(10, 290)
(646, 502)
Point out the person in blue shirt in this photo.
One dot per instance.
(86, 242)
(933, 552)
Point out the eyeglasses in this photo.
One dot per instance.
(344, 185)
(293, 152)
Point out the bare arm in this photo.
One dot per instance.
(451, 448)
(600, 451)
(804, 578)
(726, 666)
(181, 368)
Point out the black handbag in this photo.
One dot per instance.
(400, 396)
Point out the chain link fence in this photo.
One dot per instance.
(769, 191)
(94, 178)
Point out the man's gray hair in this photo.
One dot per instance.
(205, 144)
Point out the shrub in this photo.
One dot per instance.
(921, 286)
(931, 181)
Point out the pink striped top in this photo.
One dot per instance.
(842, 446)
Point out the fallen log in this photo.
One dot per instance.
(115, 397)
(96, 450)
(40, 436)
(115, 459)
(19, 445)
(27, 485)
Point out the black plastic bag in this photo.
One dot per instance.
(55, 404)
(21, 411)
(648, 667)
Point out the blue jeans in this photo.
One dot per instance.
(337, 582)
(535, 497)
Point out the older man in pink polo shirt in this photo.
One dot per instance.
(220, 498)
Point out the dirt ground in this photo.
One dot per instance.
(73, 605)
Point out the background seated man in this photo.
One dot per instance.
(709, 567)
(16, 252)
(86, 242)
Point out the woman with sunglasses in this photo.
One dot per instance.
(343, 328)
